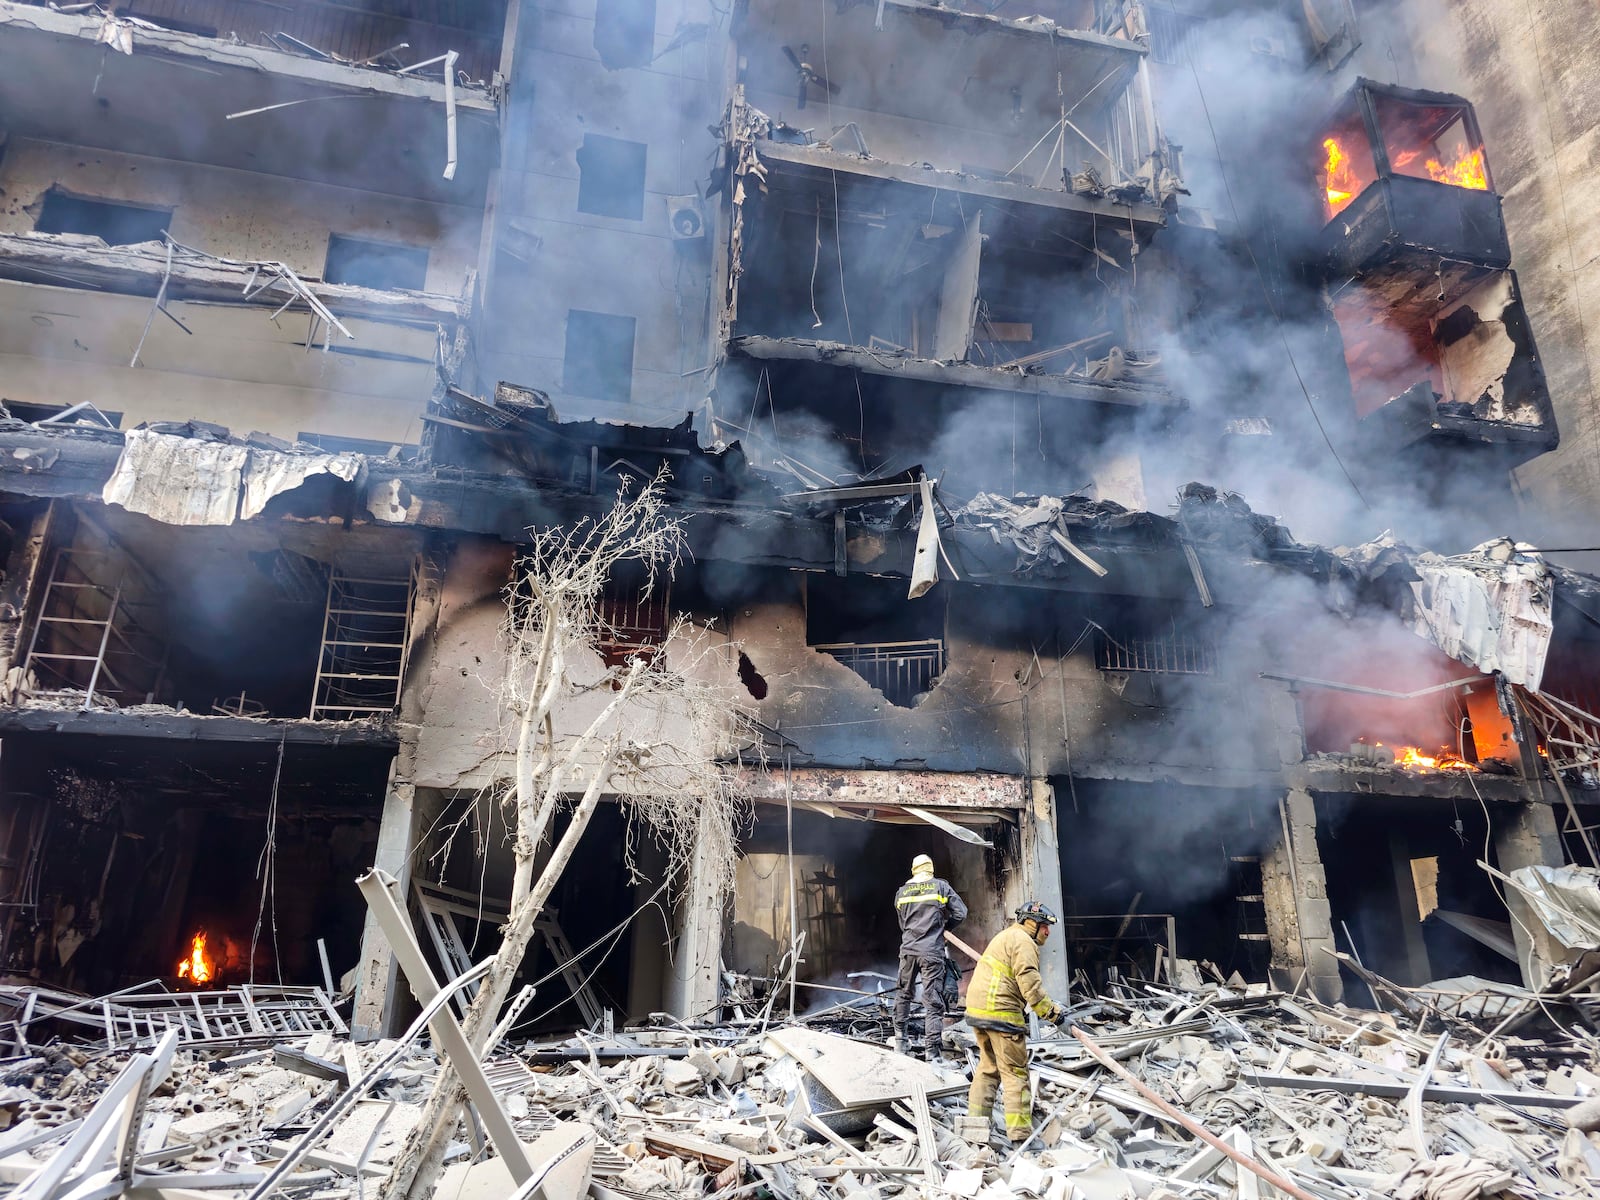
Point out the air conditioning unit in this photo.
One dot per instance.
(686, 218)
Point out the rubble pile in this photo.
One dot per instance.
(1153, 1091)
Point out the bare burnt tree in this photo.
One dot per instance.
(652, 730)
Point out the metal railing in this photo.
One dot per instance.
(902, 671)
(1170, 654)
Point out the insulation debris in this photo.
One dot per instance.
(1489, 608)
(190, 481)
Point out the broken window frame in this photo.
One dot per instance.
(364, 608)
(120, 630)
(902, 671)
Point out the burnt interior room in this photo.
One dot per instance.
(233, 621)
(1135, 855)
(847, 868)
(877, 274)
(135, 845)
(467, 877)
(1405, 888)
(1458, 334)
(1461, 726)
(934, 274)
(1052, 291)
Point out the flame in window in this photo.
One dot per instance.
(1340, 177)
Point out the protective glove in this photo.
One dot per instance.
(1058, 1017)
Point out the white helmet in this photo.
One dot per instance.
(921, 863)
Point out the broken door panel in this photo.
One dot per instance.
(958, 298)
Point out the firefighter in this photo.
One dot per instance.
(926, 906)
(1005, 983)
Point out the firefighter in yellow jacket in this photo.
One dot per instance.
(1007, 981)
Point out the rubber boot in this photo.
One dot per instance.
(899, 1041)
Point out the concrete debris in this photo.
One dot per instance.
(1158, 1090)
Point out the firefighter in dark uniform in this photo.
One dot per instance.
(926, 906)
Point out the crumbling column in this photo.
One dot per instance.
(1041, 878)
(1527, 835)
(1299, 918)
(694, 977)
(374, 1016)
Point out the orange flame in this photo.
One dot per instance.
(1439, 760)
(196, 966)
(1468, 171)
(1340, 178)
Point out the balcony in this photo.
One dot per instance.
(995, 286)
(1020, 104)
(1406, 183)
(203, 99)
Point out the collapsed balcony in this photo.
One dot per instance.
(422, 133)
(168, 322)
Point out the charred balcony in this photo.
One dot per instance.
(1436, 338)
(1405, 183)
(345, 113)
(1432, 375)
(1012, 102)
(923, 285)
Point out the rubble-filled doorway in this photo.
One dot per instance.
(601, 943)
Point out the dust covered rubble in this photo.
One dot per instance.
(1329, 1100)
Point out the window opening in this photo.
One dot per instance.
(611, 177)
(112, 221)
(382, 266)
(598, 361)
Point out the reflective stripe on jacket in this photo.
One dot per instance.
(926, 908)
(1006, 980)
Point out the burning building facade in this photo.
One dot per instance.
(955, 311)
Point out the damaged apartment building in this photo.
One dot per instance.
(929, 314)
